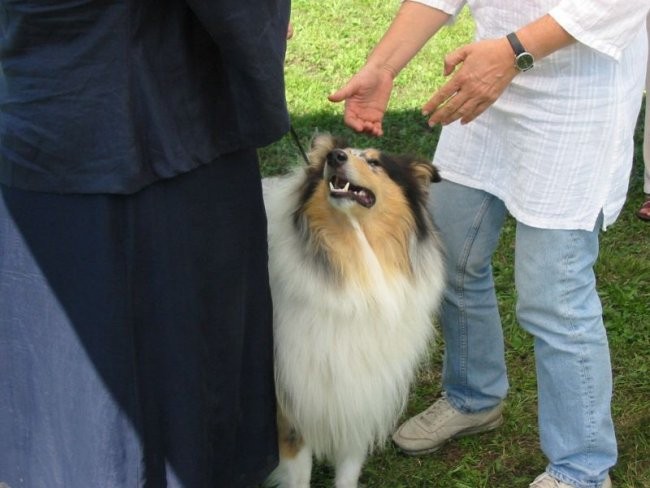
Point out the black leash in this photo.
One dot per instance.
(297, 141)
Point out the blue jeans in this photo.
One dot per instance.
(557, 303)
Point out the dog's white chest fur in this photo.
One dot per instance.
(346, 351)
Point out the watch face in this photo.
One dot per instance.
(524, 61)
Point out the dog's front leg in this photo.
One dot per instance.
(294, 469)
(348, 469)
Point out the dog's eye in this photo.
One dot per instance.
(373, 162)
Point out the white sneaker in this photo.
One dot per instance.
(545, 480)
(428, 431)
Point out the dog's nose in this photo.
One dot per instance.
(336, 158)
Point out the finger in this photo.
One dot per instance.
(359, 124)
(449, 116)
(453, 59)
(439, 98)
(449, 89)
(454, 116)
(373, 128)
(339, 95)
(343, 93)
(446, 112)
(353, 122)
(478, 110)
(466, 112)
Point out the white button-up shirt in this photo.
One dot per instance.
(557, 146)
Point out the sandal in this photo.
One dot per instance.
(644, 211)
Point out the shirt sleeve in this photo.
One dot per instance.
(607, 26)
(251, 37)
(451, 7)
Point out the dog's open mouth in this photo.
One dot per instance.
(342, 188)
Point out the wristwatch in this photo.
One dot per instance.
(523, 59)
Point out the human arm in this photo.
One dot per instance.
(250, 37)
(367, 93)
(606, 26)
(486, 69)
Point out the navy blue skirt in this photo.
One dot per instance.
(135, 335)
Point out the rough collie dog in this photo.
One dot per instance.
(356, 276)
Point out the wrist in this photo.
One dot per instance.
(523, 60)
(390, 69)
(543, 37)
(382, 69)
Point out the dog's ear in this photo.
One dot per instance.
(322, 140)
(321, 144)
(327, 141)
(425, 173)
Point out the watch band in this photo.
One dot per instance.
(523, 59)
(515, 43)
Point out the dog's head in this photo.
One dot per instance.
(364, 182)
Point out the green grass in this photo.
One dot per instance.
(331, 41)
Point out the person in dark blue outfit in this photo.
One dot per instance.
(135, 315)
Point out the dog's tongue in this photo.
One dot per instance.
(364, 198)
(341, 188)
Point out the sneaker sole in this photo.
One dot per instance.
(476, 430)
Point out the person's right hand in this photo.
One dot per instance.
(366, 98)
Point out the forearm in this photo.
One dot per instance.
(410, 30)
(544, 36)
(483, 70)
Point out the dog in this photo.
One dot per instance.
(356, 273)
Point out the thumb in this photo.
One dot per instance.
(340, 95)
(454, 58)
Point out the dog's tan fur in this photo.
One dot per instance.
(356, 276)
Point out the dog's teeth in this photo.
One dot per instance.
(347, 186)
(332, 187)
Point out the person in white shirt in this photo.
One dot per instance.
(539, 115)
(644, 212)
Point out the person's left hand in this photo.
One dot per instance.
(366, 98)
(486, 69)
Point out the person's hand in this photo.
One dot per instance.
(366, 97)
(486, 69)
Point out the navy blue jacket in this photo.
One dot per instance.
(109, 96)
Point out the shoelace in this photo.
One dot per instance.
(440, 408)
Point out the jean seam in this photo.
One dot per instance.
(588, 383)
(459, 282)
(585, 375)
